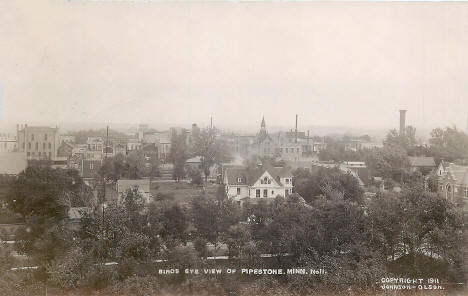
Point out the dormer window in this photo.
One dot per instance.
(265, 180)
(239, 180)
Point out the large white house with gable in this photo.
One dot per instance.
(261, 182)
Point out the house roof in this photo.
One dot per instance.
(460, 173)
(76, 213)
(422, 161)
(250, 176)
(196, 159)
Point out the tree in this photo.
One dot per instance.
(212, 217)
(47, 192)
(196, 178)
(178, 155)
(174, 223)
(212, 150)
(326, 182)
(406, 141)
(416, 226)
(449, 144)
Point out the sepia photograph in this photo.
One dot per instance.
(233, 148)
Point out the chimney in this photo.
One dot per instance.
(402, 122)
(296, 129)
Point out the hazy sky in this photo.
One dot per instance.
(352, 64)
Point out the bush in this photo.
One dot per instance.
(137, 285)
(196, 178)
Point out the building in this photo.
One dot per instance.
(264, 145)
(264, 181)
(89, 168)
(120, 149)
(133, 145)
(164, 148)
(95, 143)
(453, 183)
(67, 139)
(65, 150)
(8, 142)
(38, 142)
(143, 186)
(194, 163)
(422, 164)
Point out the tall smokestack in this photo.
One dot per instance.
(296, 128)
(402, 122)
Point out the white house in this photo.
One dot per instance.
(261, 182)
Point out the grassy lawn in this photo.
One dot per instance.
(182, 192)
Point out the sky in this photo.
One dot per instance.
(333, 64)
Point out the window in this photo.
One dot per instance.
(466, 191)
(297, 150)
(265, 192)
(50, 145)
(265, 180)
(37, 146)
(29, 153)
(32, 137)
(239, 180)
(23, 145)
(43, 146)
(238, 191)
(257, 193)
(40, 154)
(287, 181)
(45, 137)
(272, 193)
(50, 154)
(91, 166)
(29, 145)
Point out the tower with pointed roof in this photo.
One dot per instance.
(263, 144)
(263, 127)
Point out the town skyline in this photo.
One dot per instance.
(172, 64)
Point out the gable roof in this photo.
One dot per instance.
(251, 176)
(422, 161)
(76, 213)
(262, 137)
(460, 173)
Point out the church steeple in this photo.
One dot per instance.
(263, 127)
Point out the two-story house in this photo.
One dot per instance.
(261, 182)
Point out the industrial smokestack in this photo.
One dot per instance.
(296, 129)
(402, 122)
